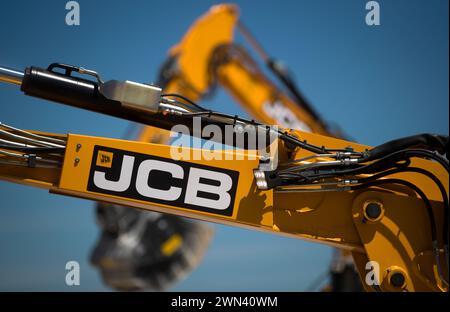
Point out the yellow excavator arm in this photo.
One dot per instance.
(387, 205)
(208, 56)
(384, 222)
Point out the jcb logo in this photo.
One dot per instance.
(104, 159)
(162, 180)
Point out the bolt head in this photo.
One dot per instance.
(373, 210)
(397, 279)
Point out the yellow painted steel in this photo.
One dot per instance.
(257, 94)
(193, 54)
(37, 177)
(399, 241)
(213, 29)
(246, 190)
(171, 245)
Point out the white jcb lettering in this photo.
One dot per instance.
(142, 179)
(120, 185)
(194, 186)
(214, 185)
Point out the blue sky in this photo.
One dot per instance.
(377, 83)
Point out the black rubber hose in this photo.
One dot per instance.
(434, 142)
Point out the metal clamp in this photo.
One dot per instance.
(70, 68)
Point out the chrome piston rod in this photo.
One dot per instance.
(10, 75)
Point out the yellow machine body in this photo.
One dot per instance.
(398, 241)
